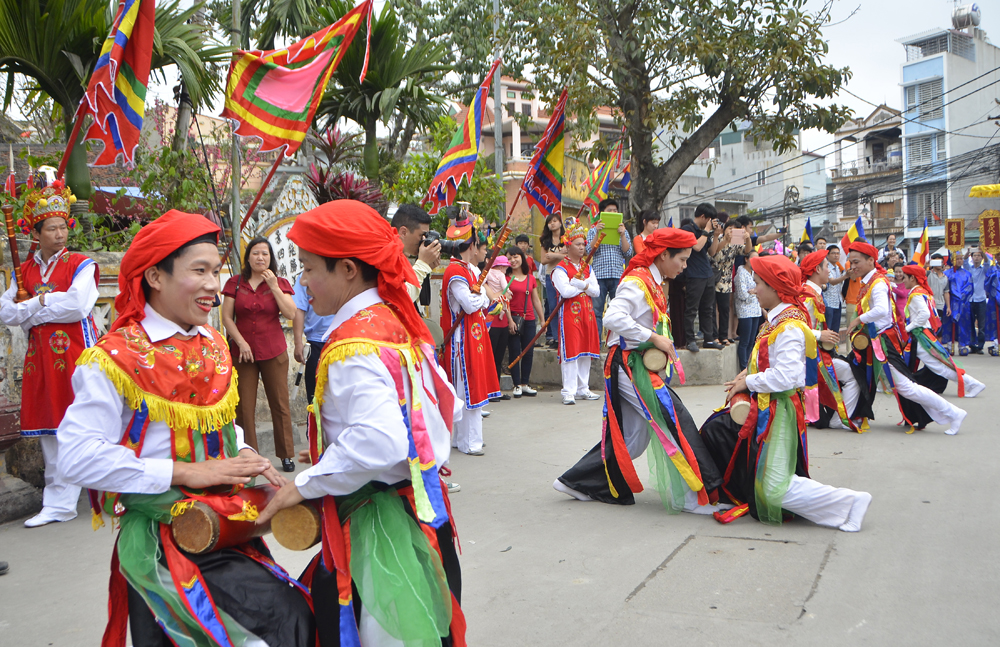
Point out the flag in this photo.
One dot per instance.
(600, 181)
(459, 161)
(273, 94)
(807, 233)
(922, 255)
(670, 223)
(543, 180)
(627, 176)
(856, 232)
(116, 94)
(10, 186)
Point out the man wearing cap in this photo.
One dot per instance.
(814, 271)
(579, 343)
(921, 321)
(768, 474)
(641, 411)
(57, 319)
(150, 431)
(957, 327)
(468, 354)
(379, 431)
(882, 357)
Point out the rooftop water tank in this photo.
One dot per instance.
(965, 16)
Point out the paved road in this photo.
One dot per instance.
(541, 569)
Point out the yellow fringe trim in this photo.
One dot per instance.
(176, 415)
(351, 348)
(96, 520)
(180, 507)
(249, 513)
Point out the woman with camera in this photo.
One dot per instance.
(525, 309)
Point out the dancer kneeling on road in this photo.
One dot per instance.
(639, 406)
(768, 472)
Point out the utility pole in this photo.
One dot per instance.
(235, 215)
(497, 118)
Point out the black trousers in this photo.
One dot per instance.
(516, 343)
(498, 337)
(311, 364)
(722, 307)
(699, 299)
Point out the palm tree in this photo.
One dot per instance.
(55, 43)
(397, 81)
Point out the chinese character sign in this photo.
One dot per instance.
(989, 231)
(954, 233)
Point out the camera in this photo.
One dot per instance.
(449, 248)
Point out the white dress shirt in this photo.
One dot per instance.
(89, 451)
(628, 316)
(74, 304)
(786, 355)
(363, 429)
(880, 308)
(461, 296)
(813, 319)
(569, 288)
(919, 313)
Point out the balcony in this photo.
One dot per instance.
(851, 170)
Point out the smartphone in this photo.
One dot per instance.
(739, 236)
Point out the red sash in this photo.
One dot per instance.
(577, 324)
(53, 348)
(474, 354)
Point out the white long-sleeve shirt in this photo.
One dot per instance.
(919, 313)
(90, 453)
(628, 316)
(569, 288)
(363, 429)
(813, 319)
(74, 304)
(880, 307)
(786, 357)
(461, 296)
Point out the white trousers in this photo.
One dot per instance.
(824, 505)
(59, 498)
(468, 435)
(849, 388)
(940, 410)
(942, 369)
(575, 377)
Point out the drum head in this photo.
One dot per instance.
(861, 342)
(655, 360)
(828, 346)
(739, 410)
(197, 529)
(297, 527)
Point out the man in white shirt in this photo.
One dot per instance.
(151, 430)
(918, 404)
(56, 316)
(379, 431)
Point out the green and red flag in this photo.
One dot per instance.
(543, 181)
(599, 184)
(273, 95)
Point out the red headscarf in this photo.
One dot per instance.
(352, 229)
(810, 262)
(781, 274)
(152, 244)
(918, 273)
(868, 250)
(660, 240)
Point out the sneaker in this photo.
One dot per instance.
(528, 391)
(994, 351)
(475, 452)
(692, 347)
(517, 392)
(4, 568)
(484, 413)
(453, 488)
(568, 399)
(589, 395)
(712, 344)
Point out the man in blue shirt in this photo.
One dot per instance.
(699, 297)
(958, 326)
(314, 327)
(609, 261)
(980, 274)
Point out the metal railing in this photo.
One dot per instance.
(850, 169)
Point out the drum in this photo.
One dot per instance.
(860, 340)
(739, 407)
(297, 527)
(200, 529)
(655, 360)
(828, 346)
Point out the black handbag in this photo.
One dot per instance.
(519, 319)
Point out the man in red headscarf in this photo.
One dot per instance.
(815, 272)
(768, 471)
(642, 410)
(379, 431)
(150, 431)
(877, 356)
(921, 322)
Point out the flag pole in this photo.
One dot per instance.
(234, 211)
(256, 199)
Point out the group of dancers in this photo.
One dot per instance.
(146, 420)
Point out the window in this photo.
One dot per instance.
(527, 150)
(511, 108)
(941, 154)
(526, 109)
(510, 94)
(686, 212)
(927, 201)
(761, 178)
(918, 151)
(926, 98)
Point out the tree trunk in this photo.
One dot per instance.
(183, 124)
(405, 139)
(371, 150)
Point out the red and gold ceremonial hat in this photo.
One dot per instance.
(460, 229)
(51, 202)
(574, 230)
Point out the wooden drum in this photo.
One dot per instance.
(860, 340)
(739, 407)
(200, 529)
(655, 360)
(828, 346)
(297, 527)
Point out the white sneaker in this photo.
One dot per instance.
(568, 399)
(558, 486)
(975, 389)
(517, 392)
(857, 514)
(45, 517)
(589, 395)
(485, 413)
(528, 391)
(956, 422)
(453, 488)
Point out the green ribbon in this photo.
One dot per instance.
(777, 461)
